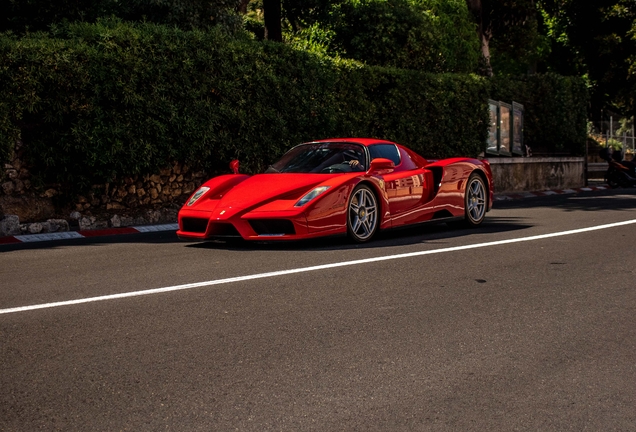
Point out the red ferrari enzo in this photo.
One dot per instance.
(353, 186)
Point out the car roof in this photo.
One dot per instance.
(363, 141)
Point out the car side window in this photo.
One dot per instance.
(387, 151)
(407, 161)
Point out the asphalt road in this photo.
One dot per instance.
(538, 334)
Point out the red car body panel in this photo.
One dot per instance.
(263, 206)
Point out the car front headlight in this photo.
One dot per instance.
(311, 195)
(198, 194)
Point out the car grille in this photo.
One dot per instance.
(221, 229)
(272, 226)
(195, 225)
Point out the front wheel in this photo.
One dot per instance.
(362, 214)
(475, 203)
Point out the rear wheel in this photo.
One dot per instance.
(362, 214)
(475, 203)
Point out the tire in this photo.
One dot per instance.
(475, 203)
(362, 214)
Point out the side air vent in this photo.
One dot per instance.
(195, 225)
(438, 172)
(272, 226)
(442, 214)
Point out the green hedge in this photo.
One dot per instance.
(96, 102)
(24, 16)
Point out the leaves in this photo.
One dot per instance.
(594, 39)
(24, 16)
(427, 35)
(115, 99)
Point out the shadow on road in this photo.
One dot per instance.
(423, 233)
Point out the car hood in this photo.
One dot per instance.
(262, 188)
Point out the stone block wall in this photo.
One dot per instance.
(132, 200)
(172, 185)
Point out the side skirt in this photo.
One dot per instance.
(428, 222)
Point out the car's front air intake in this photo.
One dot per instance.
(272, 227)
(194, 225)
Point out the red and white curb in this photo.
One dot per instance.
(29, 238)
(534, 194)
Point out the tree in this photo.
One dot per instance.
(596, 40)
(481, 14)
(242, 6)
(508, 26)
(272, 16)
(428, 35)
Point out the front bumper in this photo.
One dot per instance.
(261, 226)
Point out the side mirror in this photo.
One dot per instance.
(234, 166)
(381, 165)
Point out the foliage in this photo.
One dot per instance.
(112, 99)
(596, 40)
(315, 39)
(301, 14)
(428, 35)
(104, 100)
(615, 144)
(516, 44)
(22, 16)
(625, 126)
(507, 31)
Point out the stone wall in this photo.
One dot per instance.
(537, 173)
(133, 200)
(168, 186)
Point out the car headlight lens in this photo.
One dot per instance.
(198, 194)
(311, 195)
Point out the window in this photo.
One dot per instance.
(317, 157)
(407, 161)
(387, 151)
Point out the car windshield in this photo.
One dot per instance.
(329, 157)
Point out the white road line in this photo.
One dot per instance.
(308, 269)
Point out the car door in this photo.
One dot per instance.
(407, 185)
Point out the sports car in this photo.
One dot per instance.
(352, 186)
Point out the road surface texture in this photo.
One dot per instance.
(527, 323)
